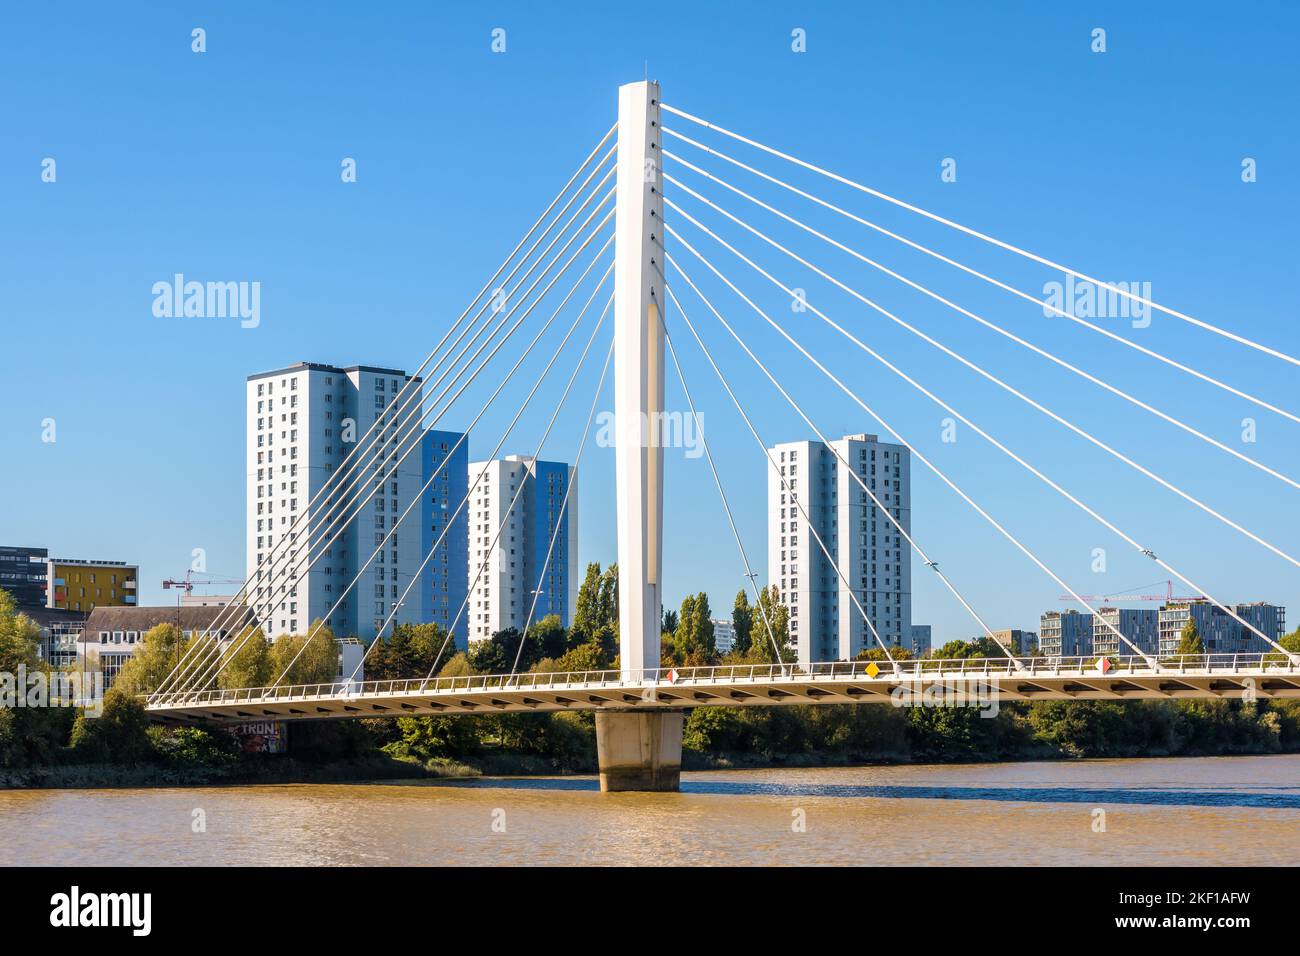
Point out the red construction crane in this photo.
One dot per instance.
(1168, 597)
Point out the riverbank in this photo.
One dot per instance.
(120, 749)
(380, 768)
(279, 770)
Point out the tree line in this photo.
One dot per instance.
(51, 736)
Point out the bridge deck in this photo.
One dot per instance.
(924, 682)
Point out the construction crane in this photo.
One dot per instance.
(187, 586)
(1168, 597)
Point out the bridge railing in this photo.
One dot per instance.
(922, 669)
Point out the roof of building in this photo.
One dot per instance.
(323, 367)
(143, 618)
(45, 616)
(17, 549)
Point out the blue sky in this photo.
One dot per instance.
(225, 166)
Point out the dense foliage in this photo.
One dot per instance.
(122, 735)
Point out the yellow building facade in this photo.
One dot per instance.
(85, 585)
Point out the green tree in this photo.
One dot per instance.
(595, 616)
(156, 657)
(20, 637)
(980, 647)
(455, 666)
(877, 653)
(494, 655)
(946, 733)
(429, 738)
(587, 619)
(608, 605)
(411, 650)
(248, 663)
(742, 623)
(770, 612)
(311, 658)
(547, 637)
(716, 730)
(28, 735)
(544, 648)
(585, 657)
(120, 733)
(670, 621)
(693, 641)
(1189, 641)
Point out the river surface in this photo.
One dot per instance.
(1221, 811)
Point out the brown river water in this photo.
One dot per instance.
(1212, 811)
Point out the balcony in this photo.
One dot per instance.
(129, 584)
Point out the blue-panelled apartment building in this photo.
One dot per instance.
(303, 422)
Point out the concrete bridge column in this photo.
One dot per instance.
(639, 749)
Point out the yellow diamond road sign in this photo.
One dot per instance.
(872, 669)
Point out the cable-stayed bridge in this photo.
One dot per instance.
(627, 194)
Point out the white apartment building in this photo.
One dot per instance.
(724, 634)
(302, 423)
(502, 592)
(870, 553)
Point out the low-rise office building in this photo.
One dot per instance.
(1220, 633)
(60, 631)
(1018, 641)
(1139, 627)
(922, 639)
(1065, 634)
(111, 635)
(22, 574)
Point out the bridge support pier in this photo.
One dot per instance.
(639, 750)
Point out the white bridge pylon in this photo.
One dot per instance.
(639, 376)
